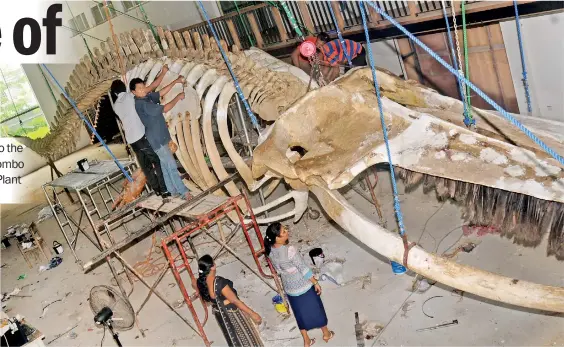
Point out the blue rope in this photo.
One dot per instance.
(525, 83)
(72, 102)
(397, 207)
(341, 41)
(467, 119)
(471, 85)
(226, 60)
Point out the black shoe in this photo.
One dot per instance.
(166, 196)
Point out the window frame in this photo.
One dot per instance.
(127, 8)
(99, 8)
(30, 107)
(83, 20)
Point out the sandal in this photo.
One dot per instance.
(312, 342)
(331, 335)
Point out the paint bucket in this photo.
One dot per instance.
(397, 268)
(82, 164)
(317, 254)
(279, 304)
(57, 247)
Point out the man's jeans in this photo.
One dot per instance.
(171, 175)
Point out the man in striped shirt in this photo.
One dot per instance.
(329, 72)
(335, 55)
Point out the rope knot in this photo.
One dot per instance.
(406, 248)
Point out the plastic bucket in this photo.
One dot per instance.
(279, 304)
(57, 247)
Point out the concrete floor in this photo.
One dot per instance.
(481, 322)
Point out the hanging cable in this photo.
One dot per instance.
(243, 24)
(114, 38)
(523, 65)
(79, 113)
(486, 98)
(468, 120)
(83, 39)
(397, 268)
(150, 26)
(48, 84)
(341, 40)
(397, 207)
(455, 64)
(466, 60)
(230, 68)
(292, 20)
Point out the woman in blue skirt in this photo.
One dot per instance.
(302, 288)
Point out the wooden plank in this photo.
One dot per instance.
(487, 59)
(384, 24)
(413, 10)
(279, 24)
(306, 16)
(482, 71)
(207, 204)
(434, 75)
(478, 49)
(374, 17)
(338, 14)
(503, 71)
(470, 8)
(255, 29)
(233, 33)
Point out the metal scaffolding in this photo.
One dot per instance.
(193, 217)
(100, 179)
(202, 227)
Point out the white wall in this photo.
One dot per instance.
(544, 59)
(386, 56)
(171, 14)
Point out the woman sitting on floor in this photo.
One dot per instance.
(232, 314)
(302, 288)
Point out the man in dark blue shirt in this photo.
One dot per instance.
(150, 111)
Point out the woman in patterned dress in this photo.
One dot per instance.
(232, 314)
(302, 288)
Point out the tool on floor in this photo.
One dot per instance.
(444, 325)
(62, 334)
(358, 331)
(424, 302)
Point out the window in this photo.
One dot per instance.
(79, 24)
(99, 12)
(127, 5)
(20, 114)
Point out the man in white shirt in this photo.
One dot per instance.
(124, 107)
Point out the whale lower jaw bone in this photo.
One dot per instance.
(463, 277)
